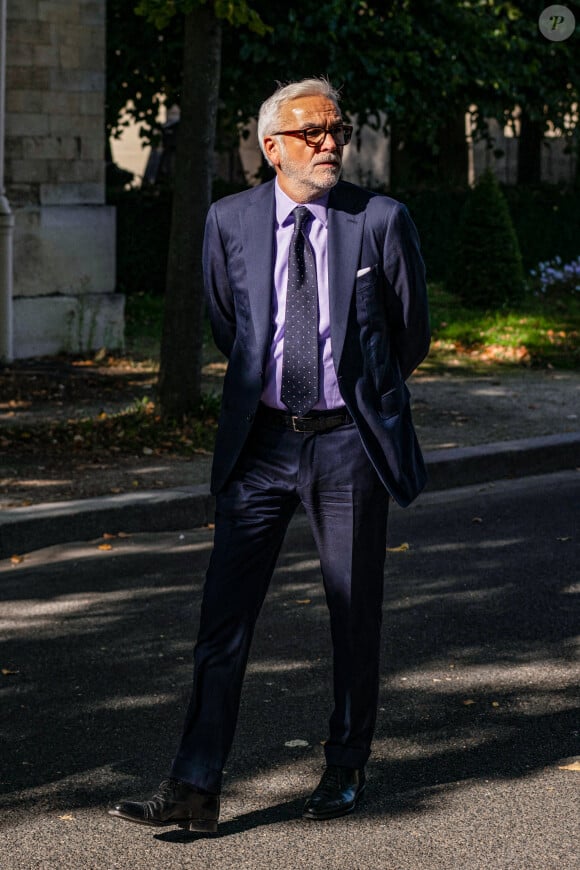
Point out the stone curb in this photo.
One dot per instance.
(32, 528)
(527, 456)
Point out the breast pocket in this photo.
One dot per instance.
(367, 292)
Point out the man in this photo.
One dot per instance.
(316, 294)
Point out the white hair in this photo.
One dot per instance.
(269, 116)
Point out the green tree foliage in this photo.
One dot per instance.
(410, 59)
(486, 266)
(420, 63)
(531, 72)
(144, 68)
(145, 58)
(536, 82)
(235, 12)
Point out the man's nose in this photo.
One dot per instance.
(329, 143)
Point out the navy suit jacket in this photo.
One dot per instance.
(379, 322)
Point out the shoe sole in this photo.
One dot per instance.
(202, 826)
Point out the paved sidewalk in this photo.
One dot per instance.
(30, 528)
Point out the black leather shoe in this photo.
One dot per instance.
(176, 803)
(337, 793)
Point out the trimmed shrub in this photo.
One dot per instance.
(546, 220)
(435, 214)
(486, 264)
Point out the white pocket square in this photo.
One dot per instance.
(364, 271)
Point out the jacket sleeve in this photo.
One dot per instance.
(218, 293)
(407, 305)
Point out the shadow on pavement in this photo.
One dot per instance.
(479, 675)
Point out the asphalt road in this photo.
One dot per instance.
(478, 732)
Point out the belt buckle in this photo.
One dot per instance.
(294, 419)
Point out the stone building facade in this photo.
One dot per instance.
(64, 237)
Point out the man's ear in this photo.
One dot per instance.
(272, 149)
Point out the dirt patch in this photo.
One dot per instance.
(460, 411)
(450, 410)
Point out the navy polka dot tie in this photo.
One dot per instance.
(300, 361)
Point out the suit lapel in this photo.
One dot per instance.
(345, 231)
(258, 221)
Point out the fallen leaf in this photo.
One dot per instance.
(107, 536)
(495, 703)
(67, 818)
(292, 744)
(105, 547)
(468, 703)
(303, 600)
(574, 765)
(402, 548)
(16, 560)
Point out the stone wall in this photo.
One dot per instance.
(367, 161)
(64, 243)
(557, 166)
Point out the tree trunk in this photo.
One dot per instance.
(530, 150)
(179, 385)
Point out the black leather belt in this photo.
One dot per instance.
(314, 421)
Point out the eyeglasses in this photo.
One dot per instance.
(315, 136)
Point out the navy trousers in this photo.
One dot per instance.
(347, 506)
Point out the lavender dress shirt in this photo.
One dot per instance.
(317, 232)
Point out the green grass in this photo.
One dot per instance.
(541, 331)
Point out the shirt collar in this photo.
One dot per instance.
(285, 206)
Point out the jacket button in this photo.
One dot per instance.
(249, 417)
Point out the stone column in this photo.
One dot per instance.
(6, 216)
(64, 242)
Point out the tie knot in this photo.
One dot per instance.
(301, 215)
